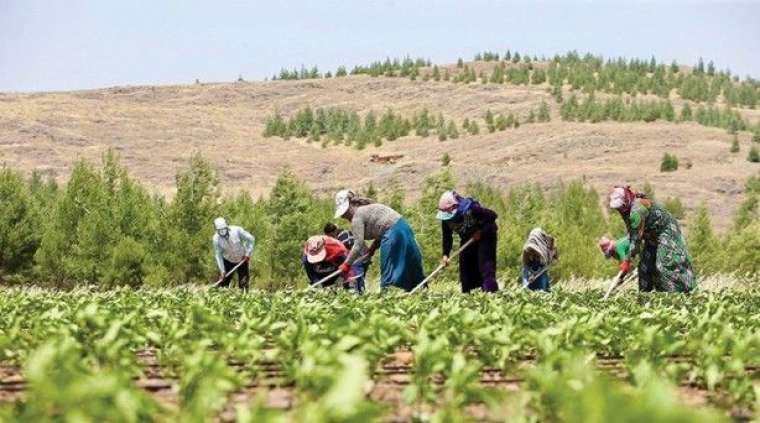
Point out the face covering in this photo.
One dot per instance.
(223, 232)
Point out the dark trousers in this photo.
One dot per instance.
(241, 271)
(477, 264)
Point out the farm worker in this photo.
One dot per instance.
(347, 238)
(470, 220)
(539, 252)
(400, 257)
(232, 245)
(654, 233)
(323, 255)
(612, 249)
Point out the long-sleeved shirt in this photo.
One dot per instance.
(336, 254)
(370, 222)
(234, 247)
(466, 224)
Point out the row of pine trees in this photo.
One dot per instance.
(340, 126)
(588, 73)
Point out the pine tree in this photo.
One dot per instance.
(669, 163)
(531, 117)
(445, 160)
(460, 63)
(686, 113)
(735, 145)
(700, 69)
(436, 73)
(710, 68)
(543, 112)
(704, 246)
(674, 67)
(452, 130)
(489, 121)
(754, 155)
(501, 122)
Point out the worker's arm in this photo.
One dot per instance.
(447, 239)
(249, 241)
(357, 227)
(218, 255)
(637, 218)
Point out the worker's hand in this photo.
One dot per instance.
(371, 250)
(246, 258)
(445, 260)
(345, 269)
(625, 267)
(476, 235)
(221, 275)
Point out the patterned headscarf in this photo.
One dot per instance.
(621, 199)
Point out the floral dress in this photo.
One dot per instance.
(654, 233)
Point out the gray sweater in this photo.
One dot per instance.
(370, 223)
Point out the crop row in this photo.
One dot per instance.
(327, 345)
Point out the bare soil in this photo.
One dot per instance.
(156, 129)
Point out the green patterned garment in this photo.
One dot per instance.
(654, 233)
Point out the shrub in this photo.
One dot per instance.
(445, 160)
(675, 207)
(669, 163)
(735, 145)
(754, 155)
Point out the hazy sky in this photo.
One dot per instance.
(62, 45)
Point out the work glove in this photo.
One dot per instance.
(246, 258)
(625, 267)
(345, 270)
(476, 235)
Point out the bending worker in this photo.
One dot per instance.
(466, 217)
(539, 252)
(400, 257)
(323, 255)
(232, 246)
(653, 233)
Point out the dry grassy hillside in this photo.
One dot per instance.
(155, 129)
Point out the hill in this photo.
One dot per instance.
(156, 128)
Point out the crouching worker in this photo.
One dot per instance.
(538, 254)
(616, 250)
(470, 220)
(400, 257)
(232, 247)
(322, 256)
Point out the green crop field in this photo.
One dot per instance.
(190, 354)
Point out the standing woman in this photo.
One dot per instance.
(466, 217)
(400, 257)
(654, 233)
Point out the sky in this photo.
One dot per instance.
(77, 44)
